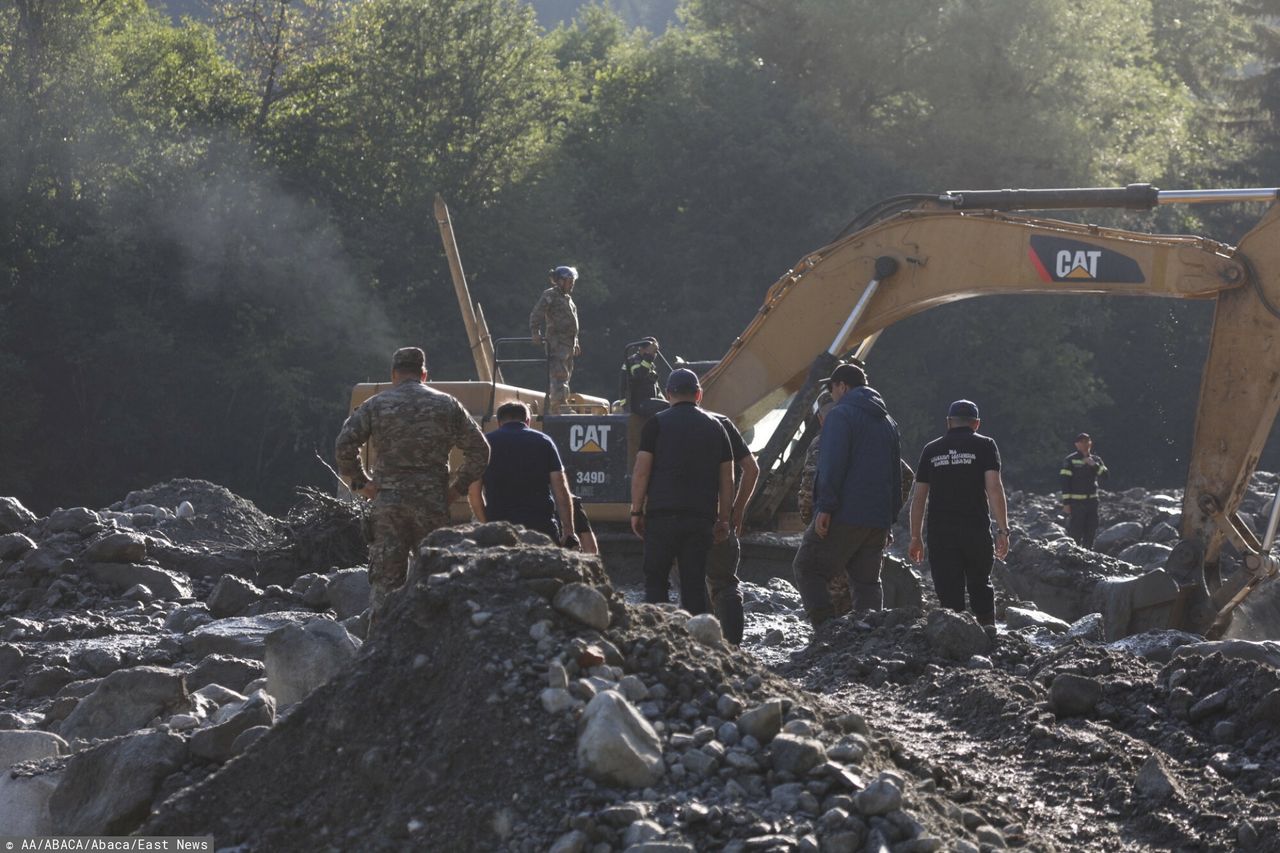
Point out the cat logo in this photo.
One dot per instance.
(589, 438)
(1060, 259)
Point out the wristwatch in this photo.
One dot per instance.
(1002, 531)
(635, 513)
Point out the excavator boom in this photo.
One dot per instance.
(956, 246)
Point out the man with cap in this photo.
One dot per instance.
(958, 480)
(644, 394)
(1080, 474)
(410, 428)
(681, 492)
(857, 495)
(554, 320)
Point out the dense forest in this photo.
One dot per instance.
(212, 225)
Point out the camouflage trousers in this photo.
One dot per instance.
(399, 524)
(560, 368)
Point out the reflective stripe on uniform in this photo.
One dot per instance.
(1080, 497)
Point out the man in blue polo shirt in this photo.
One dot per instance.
(524, 483)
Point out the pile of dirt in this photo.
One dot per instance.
(220, 518)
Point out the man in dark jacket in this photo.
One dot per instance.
(858, 493)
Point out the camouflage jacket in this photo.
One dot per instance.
(809, 473)
(555, 317)
(412, 428)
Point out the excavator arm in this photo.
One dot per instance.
(952, 247)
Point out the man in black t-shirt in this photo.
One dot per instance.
(959, 479)
(681, 492)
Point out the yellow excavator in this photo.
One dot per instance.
(910, 253)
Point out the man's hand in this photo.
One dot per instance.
(637, 525)
(1002, 545)
(572, 542)
(822, 524)
(1092, 462)
(577, 350)
(916, 550)
(537, 338)
(739, 525)
(369, 491)
(720, 532)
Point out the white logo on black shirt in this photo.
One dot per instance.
(953, 457)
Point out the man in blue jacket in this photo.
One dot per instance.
(858, 494)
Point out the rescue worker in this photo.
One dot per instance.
(411, 429)
(554, 321)
(959, 481)
(1080, 474)
(723, 586)
(644, 394)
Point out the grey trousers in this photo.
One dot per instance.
(854, 549)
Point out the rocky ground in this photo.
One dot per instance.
(182, 664)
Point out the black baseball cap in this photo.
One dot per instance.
(682, 381)
(963, 409)
(849, 374)
(1084, 436)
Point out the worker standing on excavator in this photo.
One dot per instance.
(644, 394)
(554, 320)
(1080, 474)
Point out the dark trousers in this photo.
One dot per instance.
(723, 588)
(1082, 524)
(684, 541)
(960, 559)
(854, 549)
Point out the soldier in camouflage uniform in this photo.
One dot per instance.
(555, 321)
(412, 429)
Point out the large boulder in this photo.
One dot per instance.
(167, 585)
(231, 595)
(957, 636)
(901, 584)
(72, 520)
(347, 592)
(1073, 695)
(217, 743)
(14, 517)
(116, 547)
(617, 746)
(584, 603)
(1060, 577)
(24, 802)
(299, 658)
(108, 790)
(1022, 617)
(1149, 555)
(14, 545)
(230, 672)
(1117, 537)
(244, 636)
(126, 700)
(28, 745)
(1133, 605)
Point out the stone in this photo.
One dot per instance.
(1265, 652)
(699, 763)
(28, 745)
(1074, 695)
(574, 841)
(556, 700)
(1088, 627)
(641, 831)
(584, 603)
(14, 517)
(901, 584)
(187, 617)
(24, 802)
(14, 545)
(117, 547)
(12, 659)
(616, 745)
(232, 594)
(1154, 782)
(706, 629)
(71, 520)
(244, 636)
(216, 742)
(633, 688)
(230, 672)
(1019, 617)
(1146, 554)
(1214, 703)
(880, 797)
(1134, 605)
(135, 765)
(126, 700)
(1118, 537)
(300, 658)
(348, 592)
(956, 636)
(843, 841)
(248, 738)
(164, 584)
(795, 754)
(763, 721)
